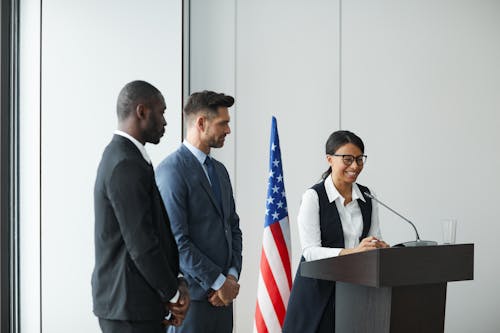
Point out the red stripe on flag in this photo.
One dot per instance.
(283, 251)
(272, 288)
(259, 320)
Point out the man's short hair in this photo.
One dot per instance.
(206, 101)
(132, 94)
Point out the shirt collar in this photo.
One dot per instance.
(333, 194)
(200, 156)
(139, 145)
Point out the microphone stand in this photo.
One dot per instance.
(418, 241)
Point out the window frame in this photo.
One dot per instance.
(9, 171)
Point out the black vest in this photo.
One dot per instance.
(311, 300)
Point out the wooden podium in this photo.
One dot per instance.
(393, 290)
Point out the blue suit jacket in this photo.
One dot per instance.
(208, 238)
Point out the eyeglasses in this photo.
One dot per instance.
(349, 159)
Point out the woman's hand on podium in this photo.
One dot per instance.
(367, 244)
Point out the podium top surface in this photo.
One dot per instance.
(397, 266)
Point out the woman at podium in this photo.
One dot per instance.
(335, 218)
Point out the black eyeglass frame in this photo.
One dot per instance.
(348, 161)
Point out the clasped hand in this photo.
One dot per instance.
(178, 310)
(226, 294)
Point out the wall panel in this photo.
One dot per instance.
(278, 58)
(420, 83)
(286, 66)
(90, 49)
(213, 59)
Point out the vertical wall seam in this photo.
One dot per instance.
(40, 163)
(235, 170)
(15, 160)
(235, 94)
(183, 62)
(340, 64)
(186, 58)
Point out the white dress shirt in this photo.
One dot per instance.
(350, 216)
(139, 145)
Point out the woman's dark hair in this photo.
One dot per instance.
(336, 140)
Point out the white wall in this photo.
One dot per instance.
(90, 49)
(212, 60)
(29, 166)
(276, 65)
(420, 85)
(418, 82)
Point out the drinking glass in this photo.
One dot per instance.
(449, 228)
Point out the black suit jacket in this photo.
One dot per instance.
(136, 258)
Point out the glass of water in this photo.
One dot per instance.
(449, 228)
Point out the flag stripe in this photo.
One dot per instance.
(275, 263)
(267, 308)
(259, 320)
(272, 288)
(283, 251)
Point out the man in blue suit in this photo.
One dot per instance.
(197, 193)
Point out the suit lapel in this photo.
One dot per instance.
(192, 162)
(206, 186)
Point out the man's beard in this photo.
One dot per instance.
(214, 143)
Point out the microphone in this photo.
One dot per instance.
(418, 241)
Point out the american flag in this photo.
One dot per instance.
(275, 277)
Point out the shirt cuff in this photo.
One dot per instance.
(233, 272)
(318, 252)
(218, 282)
(175, 298)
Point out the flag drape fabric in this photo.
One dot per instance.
(275, 278)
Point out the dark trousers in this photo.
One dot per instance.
(124, 326)
(203, 317)
(327, 323)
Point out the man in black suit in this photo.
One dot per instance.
(135, 285)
